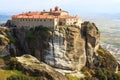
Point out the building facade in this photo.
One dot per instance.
(50, 19)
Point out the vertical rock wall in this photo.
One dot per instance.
(91, 36)
(66, 49)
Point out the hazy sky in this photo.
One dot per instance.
(73, 6)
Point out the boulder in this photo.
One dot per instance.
(33, 67)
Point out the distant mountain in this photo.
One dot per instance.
(4, 17)
(117, 16)
(112, 16)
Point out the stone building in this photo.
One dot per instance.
(51, 19)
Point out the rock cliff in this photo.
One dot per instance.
(91, 36)
(4, 41)
(67, 48)
(33, 67)
(62, 48)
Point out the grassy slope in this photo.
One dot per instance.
(4, 73)
(7, 73)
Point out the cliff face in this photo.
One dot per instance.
(63, 48)
(91, 36)
(4, 41)
(69, 47)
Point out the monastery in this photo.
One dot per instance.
(51, 19)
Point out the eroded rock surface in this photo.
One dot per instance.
(4, 41)
(67, 48)
(30, 65)
(62, 48)
(91, 36)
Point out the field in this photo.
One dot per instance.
(111, 33)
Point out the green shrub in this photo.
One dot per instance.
(7, 59)
(22, 77)
(31, 36)
(104, 74)
(37, 31)
(70, 77)
(12, 63)
(100, 75)
(12, 39)
(106, 60)
(41, 28)
(33, 52)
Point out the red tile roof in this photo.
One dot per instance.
(42, 14)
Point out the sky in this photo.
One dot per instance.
(73, 6)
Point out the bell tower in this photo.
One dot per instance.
(56, 8)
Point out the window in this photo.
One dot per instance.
(20, 19)
(50, 19)
(34, 19)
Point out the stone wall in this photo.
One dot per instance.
(32, 22)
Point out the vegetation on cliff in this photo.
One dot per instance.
(106, 60)
(104, 69)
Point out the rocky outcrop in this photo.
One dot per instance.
(33, 67)
(4, 41)
(67, 47)
(106, 60)
(62, 48)
(91, 36)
